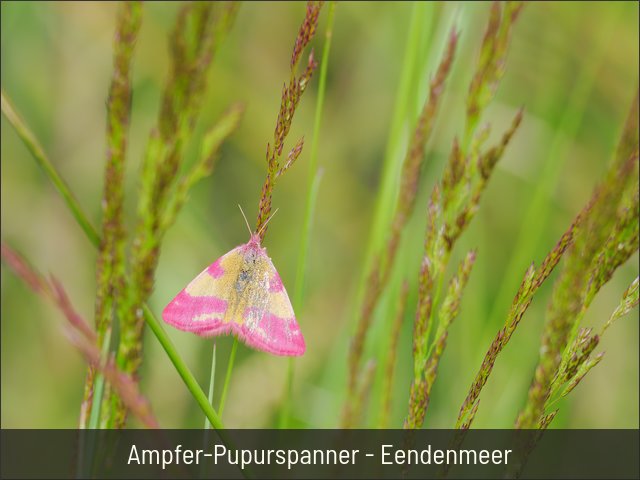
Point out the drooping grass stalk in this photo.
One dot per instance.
(538, 209)
(80, 334)
(605, 241)
(83, 337)
(26, 135)
(124, 384)
(382, 264)
(29, 140)
(390, 365)
(313, 185)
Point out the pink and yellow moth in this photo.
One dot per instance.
(242, 294)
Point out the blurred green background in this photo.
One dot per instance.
(572, 66)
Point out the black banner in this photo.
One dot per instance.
(319, 454)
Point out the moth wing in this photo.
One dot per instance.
(201, 306)
(272, 328)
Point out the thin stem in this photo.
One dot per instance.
(207, 423)
(179, 364)
(227, 378)
(285, 414)
(190, 381)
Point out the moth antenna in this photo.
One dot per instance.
(245, 220)
(268, 220)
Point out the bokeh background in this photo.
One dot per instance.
(574, 67)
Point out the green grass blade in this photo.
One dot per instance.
(207, 422)
(227, 377)
(34, 147)
(179, 364)
(212, 379)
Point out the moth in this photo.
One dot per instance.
(242, 294)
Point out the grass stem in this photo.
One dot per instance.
(227, 378)
(212, 379)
